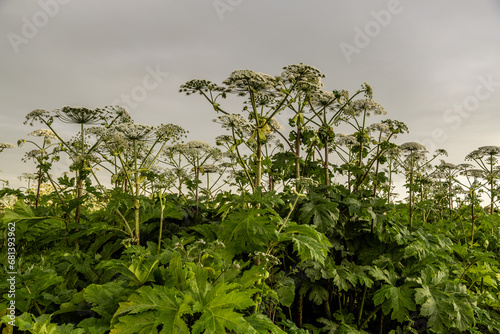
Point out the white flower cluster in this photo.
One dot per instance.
(345, 140)
(275, 124)
(197, 144)
(378, 127)
(210, 169)
(482, 152)
(236, 122)
(79, 115)
(223, 139)
(36, 115)
(490, 150)
(33, 154)
(197, 85)
(133, 131)
(268, 258)
(323, 98)
(412, 147)
(367, 106)
(6, 145)
(170, 131)
(219, 243)
(447, 165)
(304, 182)
(302, 73)
(8, 201)
(46, 133)
(475, 173)
(243, 81)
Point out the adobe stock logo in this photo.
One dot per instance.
(31, 26)
(139, 93)
(372, 29)
(223, 6)
(454, 116)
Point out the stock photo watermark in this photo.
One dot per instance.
(30, 26)
(364, 36)
(455, 115)
(139, 93)
(223, 6)
(11, 272)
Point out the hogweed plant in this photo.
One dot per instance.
(391, 156)
(265, 97)
(78, 150)
(198, 153)
(475, 179)
(388, 129)
(486, 159)
(42, 157)
(260, 256)
(147, 143)
(413, 160)
(446, 173)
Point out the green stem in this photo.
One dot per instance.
(362, 305)
(369, 317)
(161, 222)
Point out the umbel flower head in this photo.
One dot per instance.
(324, 99)
(170, 132)
(482, 152)
(236, 122)
(378, 127)
(244, 81)
(447, 165)
(346, 140)
(367, 106)
(475, 173)
(210, 169)
(37, 115)
(411, 147)
(46, 133)
(3, 146)
(134, 131)
(198, 144)
(223, 139)
(490, 150)
(302, 74)
(79, 115)
(198, 86)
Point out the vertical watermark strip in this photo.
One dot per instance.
(11, 272)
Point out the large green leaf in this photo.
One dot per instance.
(42, 325)
(395, 300)
(319, 211)
(104, 298)
(139, 271)
(307, 242)
(446, 304)
(150, 307)
(217, 305)
(262, 325)
(248, 231)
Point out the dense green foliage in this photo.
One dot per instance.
(275, 231)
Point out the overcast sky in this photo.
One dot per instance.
(434, 65)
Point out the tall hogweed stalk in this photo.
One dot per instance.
(79, 151)
(147, 144)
